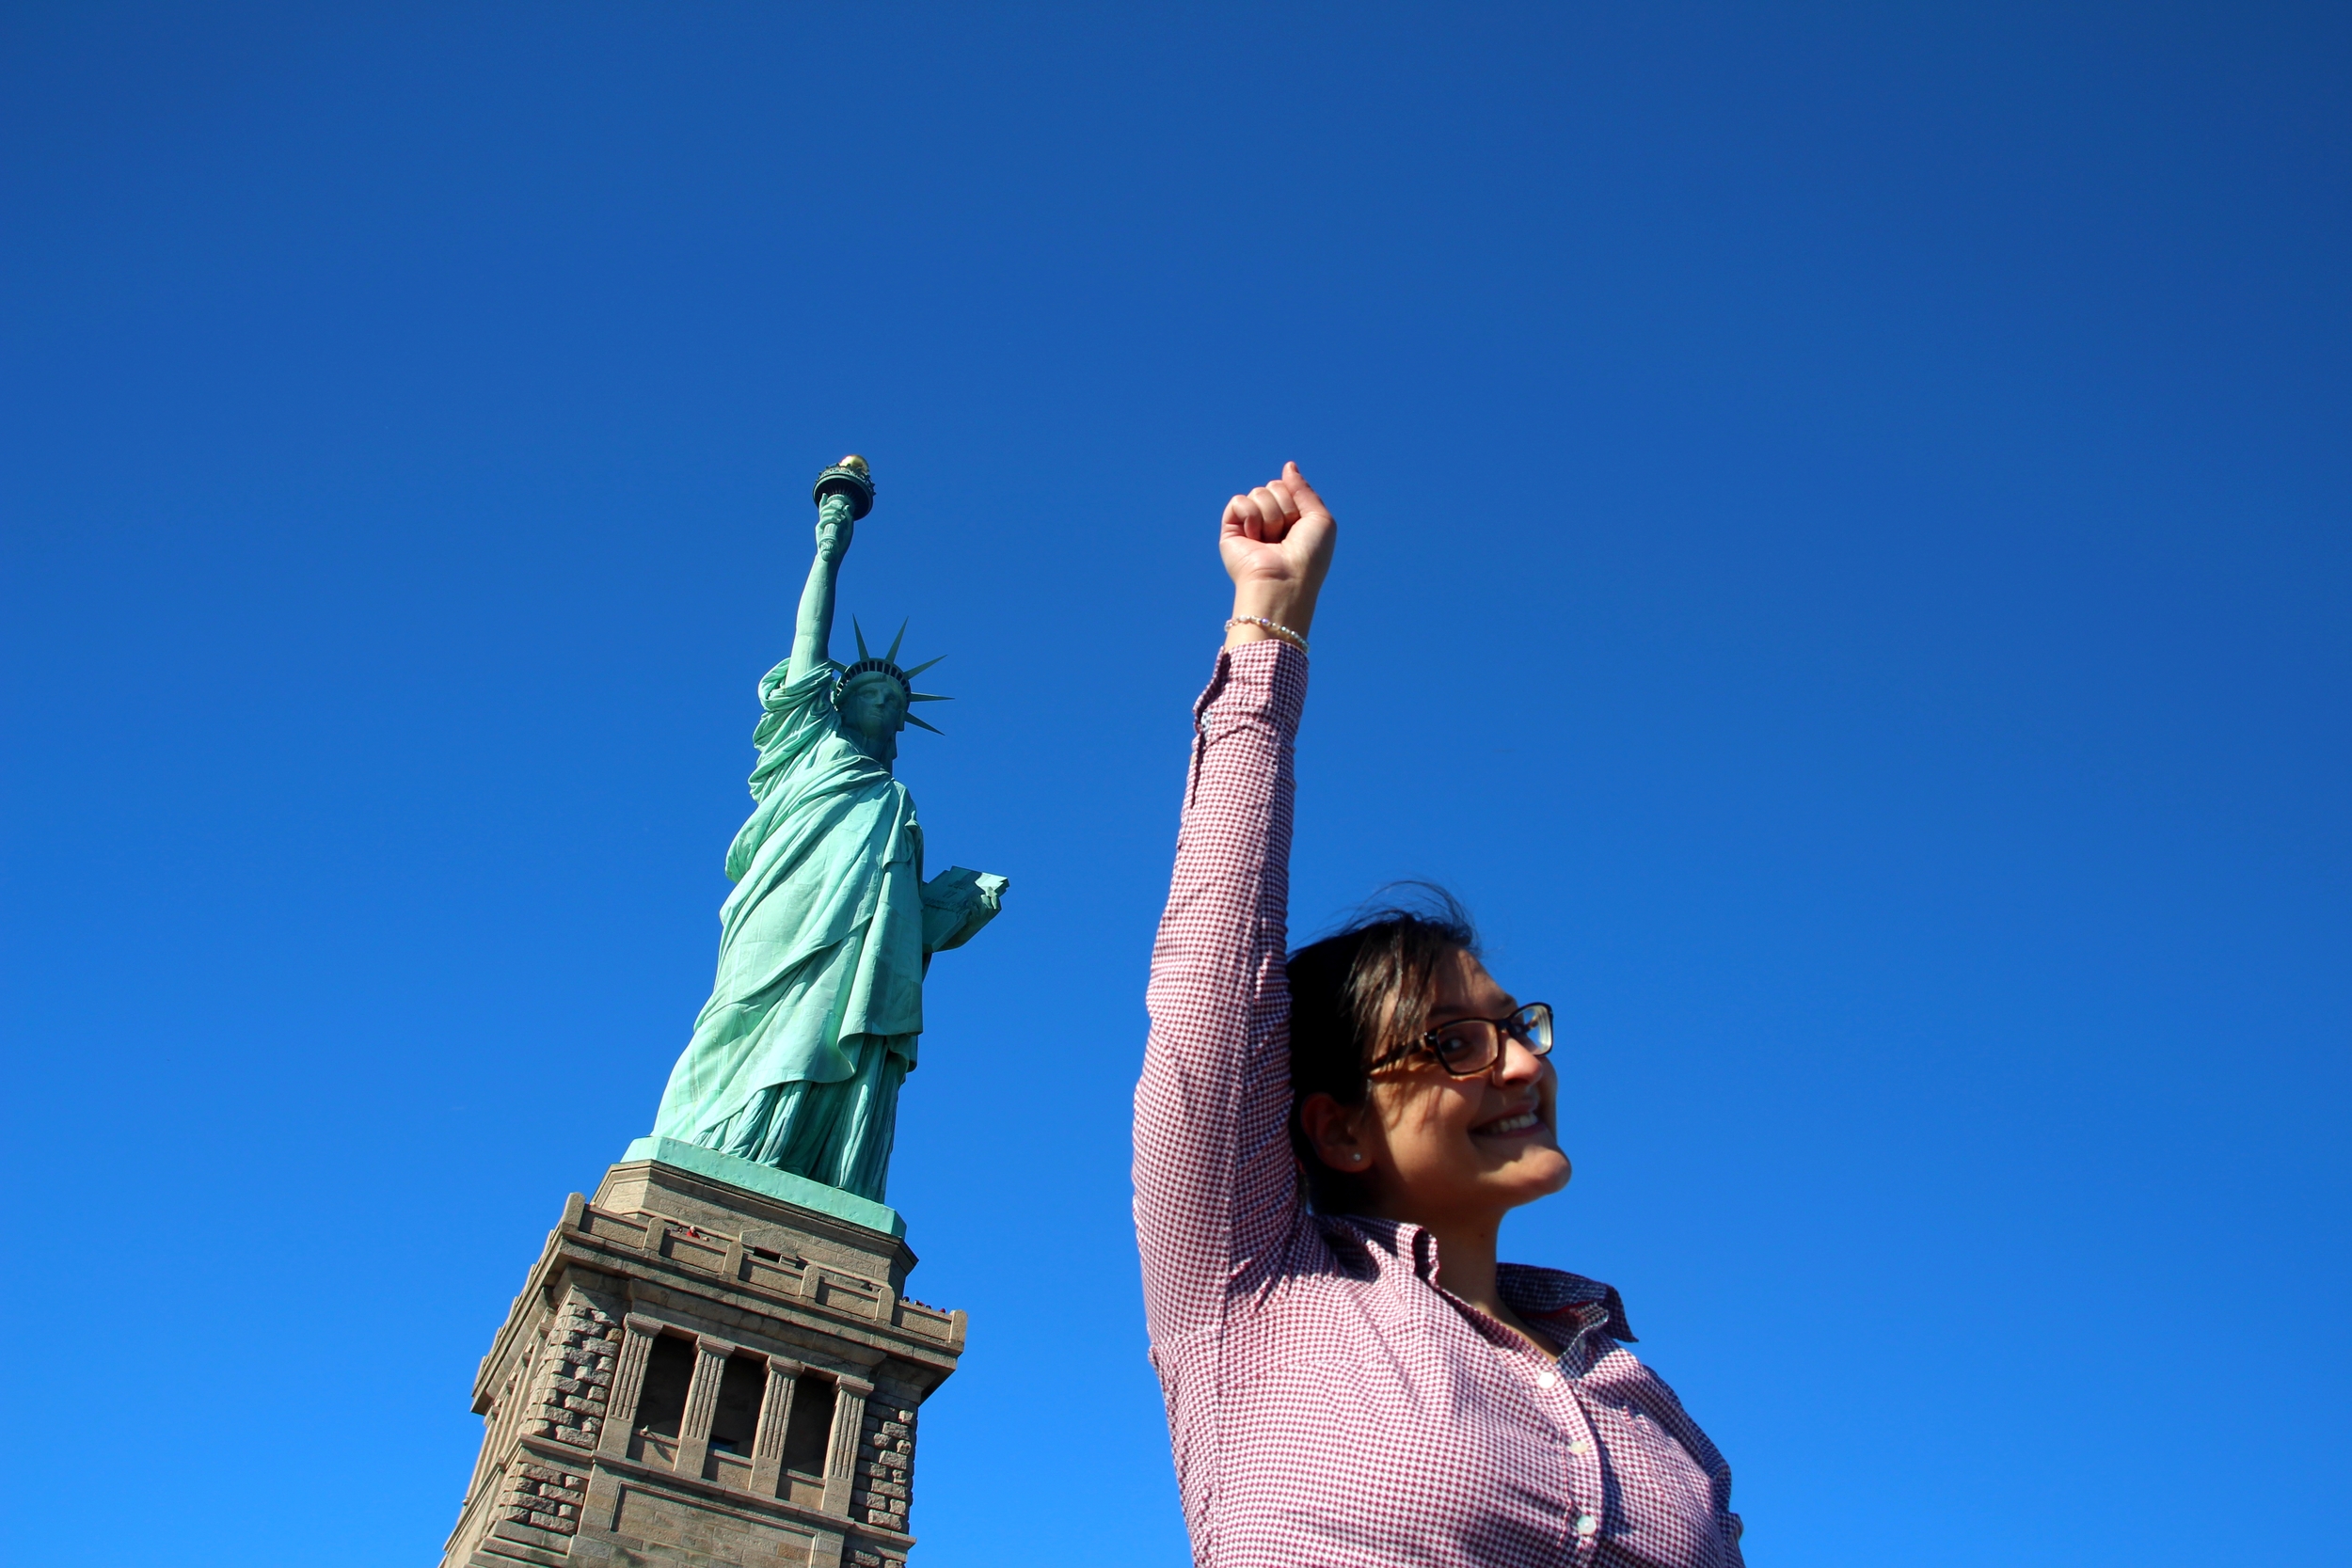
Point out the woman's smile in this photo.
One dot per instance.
(1518, 1124)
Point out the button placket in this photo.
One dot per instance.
(1583, 1459)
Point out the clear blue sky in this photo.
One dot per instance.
(1844, 565)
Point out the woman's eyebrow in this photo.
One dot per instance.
(1440, 1016)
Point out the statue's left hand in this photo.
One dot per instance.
(956, 904)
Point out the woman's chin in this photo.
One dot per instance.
(1537, 1172)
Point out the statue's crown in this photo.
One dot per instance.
(887, 664)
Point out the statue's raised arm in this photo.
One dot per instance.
(797, 1058)
(845, 493)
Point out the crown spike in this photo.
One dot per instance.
(928, 697)
(933, 728)
(861, 637)
(893, 654)
(925, 665)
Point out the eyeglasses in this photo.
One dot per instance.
(1470, 1046)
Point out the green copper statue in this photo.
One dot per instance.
(797, 1057)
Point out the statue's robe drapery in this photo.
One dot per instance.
(797, 1058)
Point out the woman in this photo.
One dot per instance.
(1324, 1151)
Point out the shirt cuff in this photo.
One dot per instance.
(1262, 682)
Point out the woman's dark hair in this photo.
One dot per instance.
(1360, 991)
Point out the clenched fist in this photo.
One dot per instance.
(1276, 543)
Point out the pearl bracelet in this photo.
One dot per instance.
(1275, 627)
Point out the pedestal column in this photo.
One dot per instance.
(702, 1405)
(849, 1421)
(775, 1415)
(629, 1384)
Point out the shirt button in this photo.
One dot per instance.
(1547, 1380)
(1586, 1524)
(1581, 1446)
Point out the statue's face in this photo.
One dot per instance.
(873, 704)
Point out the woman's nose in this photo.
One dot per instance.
(1516, 1064)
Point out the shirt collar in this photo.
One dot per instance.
(1539, 1293)
(1575, 1302)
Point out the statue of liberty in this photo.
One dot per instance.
(797, 1058)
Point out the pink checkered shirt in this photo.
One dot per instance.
(1329, 1404)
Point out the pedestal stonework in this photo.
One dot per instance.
(699, 1372)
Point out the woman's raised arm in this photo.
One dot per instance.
(1215, 1187)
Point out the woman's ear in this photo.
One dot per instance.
(1335, 1133)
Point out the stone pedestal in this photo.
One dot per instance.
(703, 1371)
